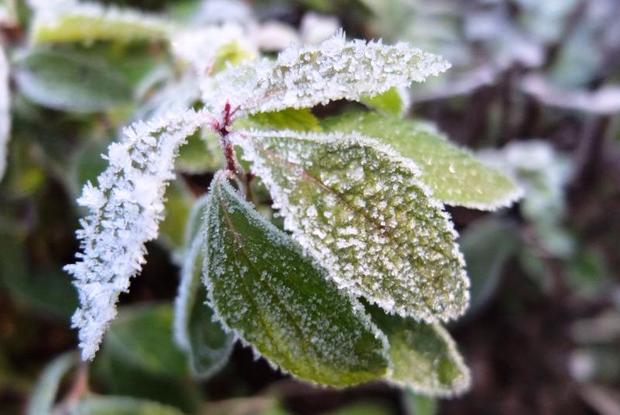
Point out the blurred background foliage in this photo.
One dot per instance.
(534, 88)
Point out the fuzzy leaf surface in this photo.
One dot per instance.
(279, 301)
(424, 356)
(453, 174)
(361, 211)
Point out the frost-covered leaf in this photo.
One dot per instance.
(116, 405)
(279, 301)
(312, 75)
(195, 328)
(44, 393)
(125, 210)
(73, 21)
(394, 101)
(424, 356)
(142, 337)
(362, 212)
(453, 174)
(5, 114)
(69, 81)
(210, 49)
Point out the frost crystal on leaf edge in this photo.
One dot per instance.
(125, 210)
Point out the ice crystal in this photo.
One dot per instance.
(5, 115)
(307, 76)
(125, 209)
(273, 297)
(362, 212)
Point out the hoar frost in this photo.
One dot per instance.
(312, 75)
(385, 237)
(125, 209)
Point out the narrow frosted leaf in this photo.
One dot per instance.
(90, 22)
(300, 119)
(279, 301)
(44, 393)
(195, 328)
(125, 210)
(312, 75)
(424, 356)
(453, 174)
(5, 113)
(116, 405)
(361, 211)
(69, 81)
(394, 101)
(417, 404)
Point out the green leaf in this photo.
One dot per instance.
(121, 406)
(44, 393)
(69, 82)
(295, 119)
(278, 300)
(424, 356)
(142, 337)
(360, 210)
(362, 409)
(47, 290)
(196, 331)
(198, 156)
(452, 173)
(178, 205)
(487, 245)
(92, 22)
(391, 102)
(418, 404)
(125, 379)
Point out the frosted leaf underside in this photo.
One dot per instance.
(454, 175)
(424, 356)
(276, 299)
(195, 330)
(125, 209)
(360, 210)
(312, 75)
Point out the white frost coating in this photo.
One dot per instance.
(312, 75)
(221, 267)
(125, 210)
(200, 47)
(5, 114)
(403, 255)
(458, 388)
(51, 15)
